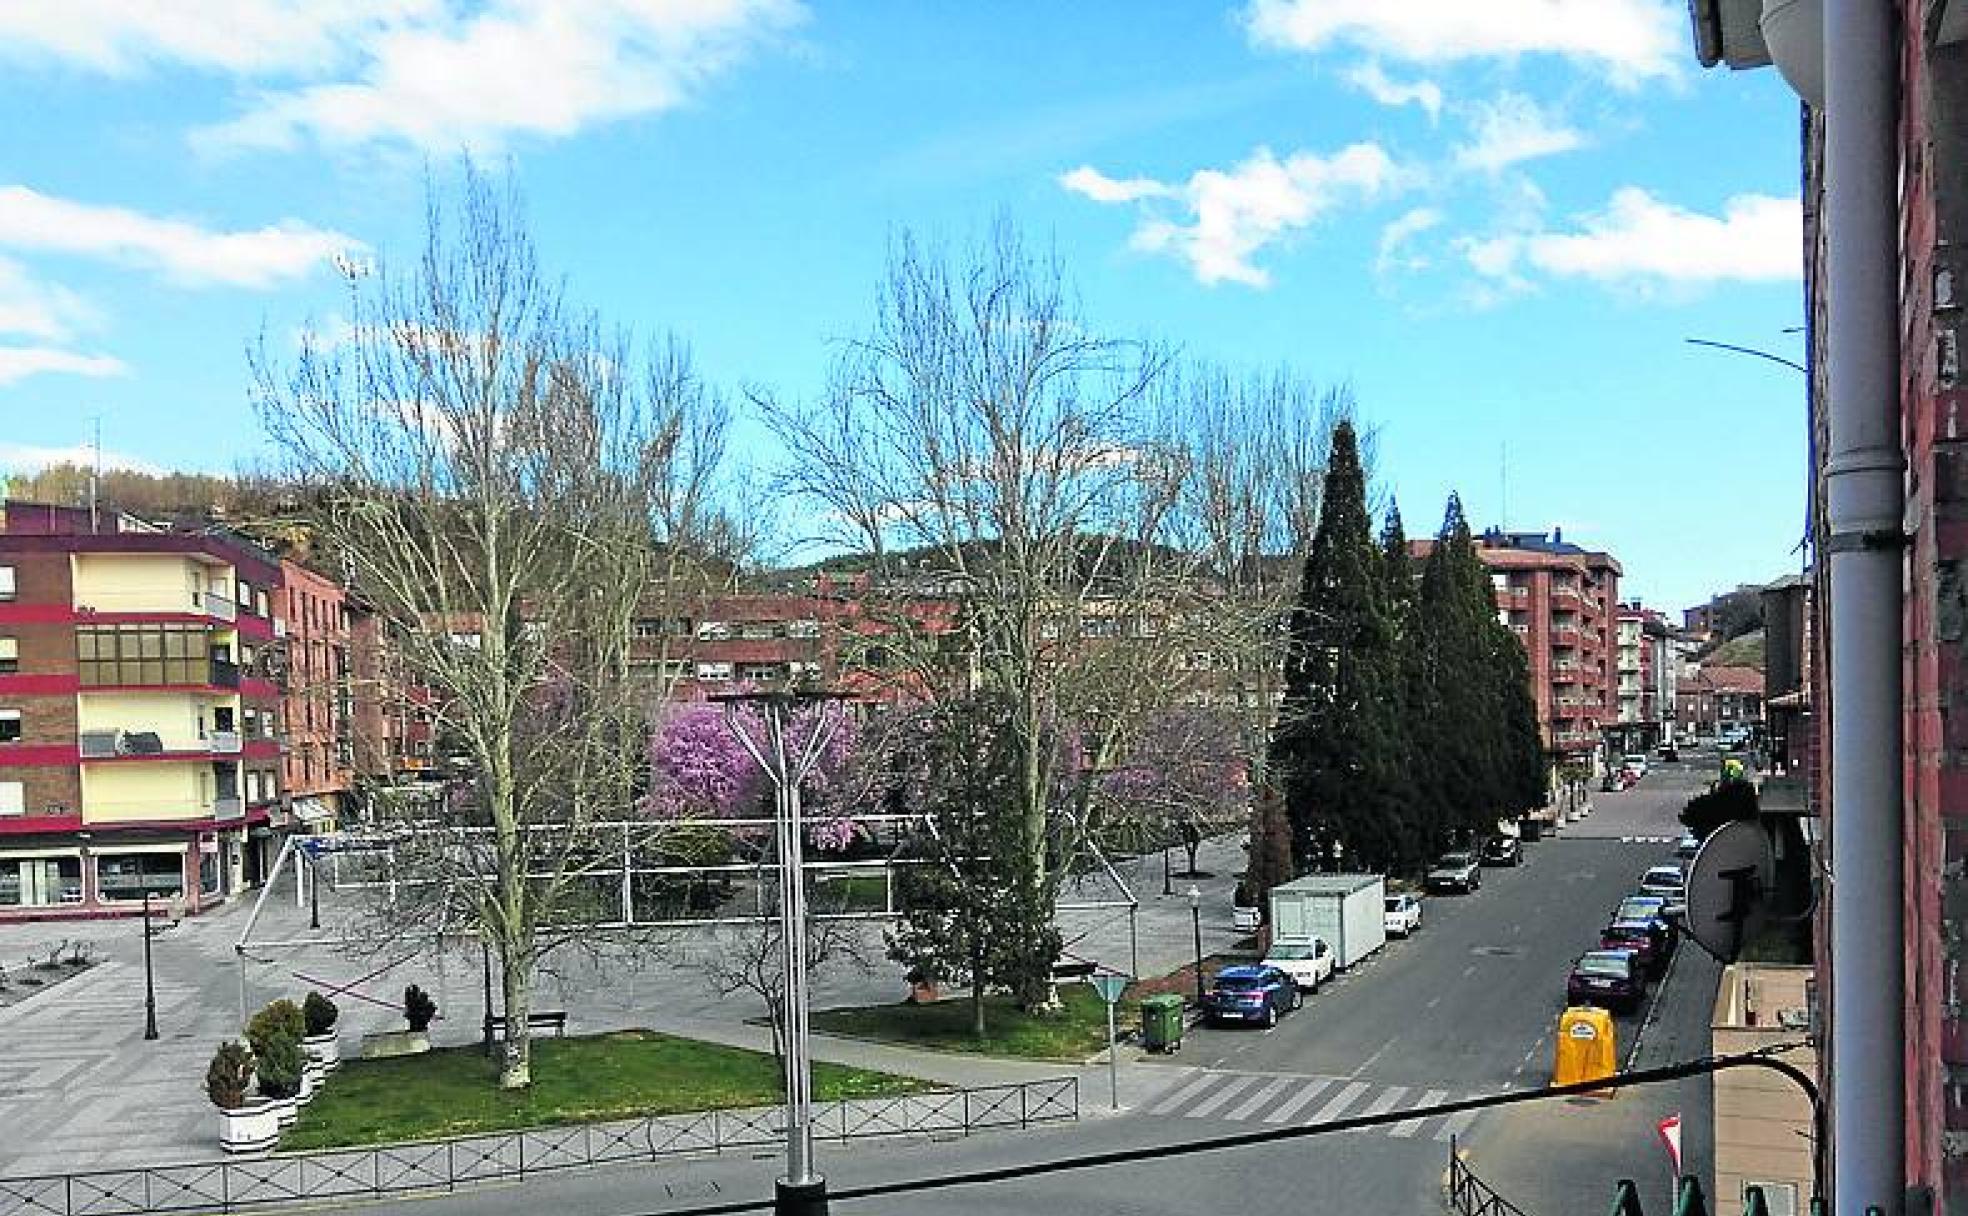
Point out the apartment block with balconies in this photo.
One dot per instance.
(139, 747)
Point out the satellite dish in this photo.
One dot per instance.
(1731, 886)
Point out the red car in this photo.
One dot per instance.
(1640, 937)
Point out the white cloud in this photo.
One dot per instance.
(20, 362)
(1513, 129)
(1628, 40)
(1226, 217)
(27, 457)
(1641, 239)
(438, 78)
(240, 37)
(33, 309)
(1395, 238)
(182, 251)
(1100, 188)
(1375, 83)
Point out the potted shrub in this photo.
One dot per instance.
(418, 1011)
(322, 1044)
(246, 1124)
(275, 1035)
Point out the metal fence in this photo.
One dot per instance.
(1470, 1195)
(445, 1165)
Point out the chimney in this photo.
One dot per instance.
(1557, 535)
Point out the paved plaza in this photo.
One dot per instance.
(84, 1090)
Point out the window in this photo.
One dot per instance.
(244, 596)
(649, 627)
(6, 582)
(10, 725)
(760, 631)
(713, 631)
(714, 671)
(260, 604)
(132, 875)
(13, 798)
(39, 881)
(805, 628)
(9, 656)
(761, 671)
(142, 654)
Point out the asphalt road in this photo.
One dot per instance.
(1467, 1006)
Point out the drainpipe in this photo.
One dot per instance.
(1863, 478)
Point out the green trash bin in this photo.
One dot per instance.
(1161, 1023)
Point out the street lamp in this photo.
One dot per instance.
(1196, 920)
(150, 986)
(802, 1192)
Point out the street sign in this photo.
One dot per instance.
(1729, 888)
(1109, 986)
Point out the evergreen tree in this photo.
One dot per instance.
(1460, 738)
(1527, 767)
(1335, 752)
(1403, 599)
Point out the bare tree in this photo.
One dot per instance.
(751, 959)
(981, 444)
(505, 482)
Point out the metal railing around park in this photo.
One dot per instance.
(1470, 1195)
(233, 1184)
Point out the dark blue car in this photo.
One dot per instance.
(1250, 994)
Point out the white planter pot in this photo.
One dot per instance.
(252, 1128)
(325, 1049)
(310, 1083)
(285, 1109)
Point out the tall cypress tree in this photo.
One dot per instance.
(1461, 737)
(1334, 752)
(1403, 598)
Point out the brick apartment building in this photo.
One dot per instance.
(317, 701)
(1561, 600)
(138, 712)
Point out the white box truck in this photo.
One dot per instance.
(1344, 909)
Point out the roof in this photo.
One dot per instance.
(1330, 884)
(1731, 679)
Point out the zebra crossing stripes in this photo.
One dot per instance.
(1648, 839)
(1244, 1097)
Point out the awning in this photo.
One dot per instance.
(313, 811)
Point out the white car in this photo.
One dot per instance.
(1402, 915)
(1668, 883)
(1309, 963)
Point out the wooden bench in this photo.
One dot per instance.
(554, 1018)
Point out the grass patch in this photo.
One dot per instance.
(454, 1091)
(1074, 1032)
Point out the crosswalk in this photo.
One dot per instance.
(1648, 839)
(1303, 1100)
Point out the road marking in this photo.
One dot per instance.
(1456, 1124)
(1330, 1110)
(1299, 1099)
(1259, 1099)
(1405, 1130)
(1222, 1095)
(1434, 1002)
(1387, 1101)
(1183, 1095)
(1469, 971)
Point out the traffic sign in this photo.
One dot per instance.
(1109, 986)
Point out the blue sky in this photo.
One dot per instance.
(1498, 222)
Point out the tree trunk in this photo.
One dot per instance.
(516, 1061)
(977, 1007)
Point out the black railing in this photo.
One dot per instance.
(1470, 1195)
(229, 1185)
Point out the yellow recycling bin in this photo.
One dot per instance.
(1585, 1046)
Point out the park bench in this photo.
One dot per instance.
(556, 1019)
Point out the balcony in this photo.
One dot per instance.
(217, 606)
(224, 742)
(228, 808)
(124, 744)
(1564, 635)
(225, 674)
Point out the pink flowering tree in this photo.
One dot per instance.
(699, 770)
(1184, 777)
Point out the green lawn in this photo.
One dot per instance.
(1073, 1033)
(454, 1091)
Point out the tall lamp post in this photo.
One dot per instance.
(1196, 921)
(150, 986)
(803, 1191)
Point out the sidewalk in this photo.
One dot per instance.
(77, 1070)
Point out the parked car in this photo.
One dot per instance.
(1670, 885)
(1686, 847)
(1455, 872)
(1250, 994)
(1502, 851)
(1309, 963)
(1652, 910)
(1643, 938)
(1635, 763)
(1402, 915)
(1670, 753)
(1610, 979)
